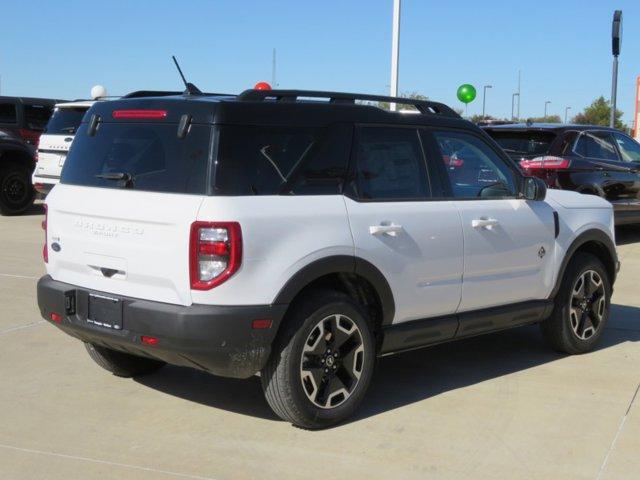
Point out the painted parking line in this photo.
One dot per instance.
(105, 462)
(22, 327)
(10, 275)
(615, 439)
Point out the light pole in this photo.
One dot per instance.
(616, 41)
(513, 102)
(566, 111)
(519, 97)
(395, 52)
(545, 108)
(484, 98)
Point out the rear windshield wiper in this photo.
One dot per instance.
(68, 129)
(124, 179)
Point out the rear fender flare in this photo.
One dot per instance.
(340, 264)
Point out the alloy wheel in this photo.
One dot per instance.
(332, 361)
(587, 305)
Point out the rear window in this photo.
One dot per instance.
(150, 154)
(65, 121)
(8, 113)
(525, 143)
(37, 116)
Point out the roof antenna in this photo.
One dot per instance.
(190, 88)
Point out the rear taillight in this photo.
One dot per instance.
(215, 253)
(45, 250)
(29, 136)
(546, 163)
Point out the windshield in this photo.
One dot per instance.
(525, 143)
(65, 121)
(141, 156)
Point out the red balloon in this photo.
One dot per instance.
(262, 86)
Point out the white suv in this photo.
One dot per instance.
(55, 142)
(269, 233)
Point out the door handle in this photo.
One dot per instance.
(485, 222)
(391, 230)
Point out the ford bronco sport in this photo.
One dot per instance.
(299, 235)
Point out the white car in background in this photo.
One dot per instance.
(55, 142)
(57, 138)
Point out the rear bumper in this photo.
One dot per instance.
(217, 339)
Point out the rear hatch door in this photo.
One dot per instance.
(129, 237)
(56, 140)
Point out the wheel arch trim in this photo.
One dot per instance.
(340, 264)
(591, 235)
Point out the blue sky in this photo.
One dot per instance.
(62, 48)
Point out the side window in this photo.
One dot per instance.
(326, 168)
(8, 113)
(474, 168)
(390, 165)
(629, 148)
(265, 160)
(596, 145)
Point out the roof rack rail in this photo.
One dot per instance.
(163, 93)
(150, 93)
(423, 106)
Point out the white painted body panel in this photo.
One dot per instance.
(584, 212)
(143, 235)
(435, 264)
(422, 262)
(502, 264)
(281, 235)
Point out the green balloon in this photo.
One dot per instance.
(466, 93)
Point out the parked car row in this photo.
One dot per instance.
(587, 159)
(35, 137)
(299, 235)
(22, 120)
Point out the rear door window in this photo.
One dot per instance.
(36, 116)
(152, 154)
(596, 145)
(269, 160)
(65, 121)
(8, 113)
(390, 165)
(629, 148)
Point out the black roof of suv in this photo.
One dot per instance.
(278, 106)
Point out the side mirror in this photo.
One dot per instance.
(534, 189)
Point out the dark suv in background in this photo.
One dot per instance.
(588, 159)
(22, 121)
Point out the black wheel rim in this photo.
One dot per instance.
(332, 361)
(587, 305)
(14, 190)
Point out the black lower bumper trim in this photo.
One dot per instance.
(217, 339)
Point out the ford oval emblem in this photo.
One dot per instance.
(55, 246)
(68, 139)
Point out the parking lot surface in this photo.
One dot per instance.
(498, 406)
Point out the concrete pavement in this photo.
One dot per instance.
(498, 406)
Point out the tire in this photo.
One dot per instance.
(317, 322)
(581, 309)
(122, 364)
(16, 190)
